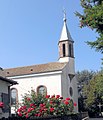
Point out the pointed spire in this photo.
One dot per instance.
(65, 35)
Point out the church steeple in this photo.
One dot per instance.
(65, 33)
(65, 43)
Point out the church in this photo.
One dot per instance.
(52, 78)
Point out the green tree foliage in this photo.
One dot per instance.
(92, 17)
(83, 77)
(94, 92)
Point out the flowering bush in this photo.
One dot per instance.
(1, 104)
(38, 105)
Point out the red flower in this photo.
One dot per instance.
(45, 109)
(61, 97)
(23, 107)
(51, 109)
(53, 96)
(51, 102)
(68, 98)
(66, 102)
(30, 109)
(75, 104)
(28, 99)
(32, 105)
(40, 110)
(57, 96)
(50, 106)
(41, 105)
(20, 114)
(47, 96)
(1, 104)
(19, 110)
(44, 104)
(27, 115)
(38, 114)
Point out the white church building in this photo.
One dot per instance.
(52, 78)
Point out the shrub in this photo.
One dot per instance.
(39, 105)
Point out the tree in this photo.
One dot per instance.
(92, 17)
(83, 78)
(94, 92)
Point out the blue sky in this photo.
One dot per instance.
(30, 30)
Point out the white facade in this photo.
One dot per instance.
(52, 81)
(57, 83)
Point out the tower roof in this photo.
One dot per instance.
(65, 35)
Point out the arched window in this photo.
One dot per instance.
(70, 50)
(14, 96)
(71, 91)
(64, 54)
(42, 90)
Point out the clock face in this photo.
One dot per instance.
(42, 90)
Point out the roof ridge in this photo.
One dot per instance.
(33, 65)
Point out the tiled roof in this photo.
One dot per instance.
(34, 69)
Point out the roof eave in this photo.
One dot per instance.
(36, 74)
(8, 80)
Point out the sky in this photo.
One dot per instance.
(30, 31)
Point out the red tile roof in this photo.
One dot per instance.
(34, 69)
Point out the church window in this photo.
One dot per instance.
(71, 76)
(70, 50)
(42, 90)
(14, 96)
(71, 91)
(64, 50)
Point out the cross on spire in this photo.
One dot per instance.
(64, 12)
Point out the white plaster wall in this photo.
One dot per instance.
(66, 84)
(75, 92)
(71, 66)
(73, 83)
(3, 89)
(52, 82)
(64, 59)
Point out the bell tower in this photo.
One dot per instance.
(65, 43)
